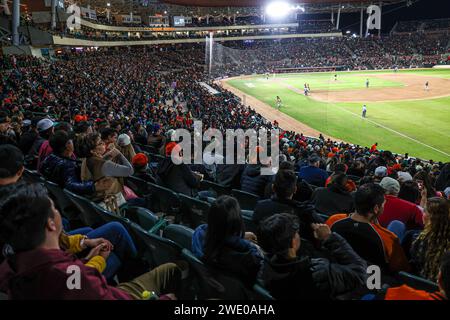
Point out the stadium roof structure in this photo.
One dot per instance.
(257, 3)
(202, 7)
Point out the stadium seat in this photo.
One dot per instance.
(142, 216)
(246, 200)
(155, 157)
(323, 216)
(146, 148)
(139, 186)
(213, 284)
(108, 216)
(62, 201)
(194, 211)
(179, 234)
(88, 214)
(261, 293)
(219, 189)
(156, 250)
(165, 200)
(33, 176)
(247, 216)
(418, 282)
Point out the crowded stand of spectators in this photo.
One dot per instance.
(260, 56)
(99, 124)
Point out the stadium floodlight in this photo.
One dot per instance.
(297, 7)
(278, 9)
(108, 4)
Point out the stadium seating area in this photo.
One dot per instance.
(211, 231)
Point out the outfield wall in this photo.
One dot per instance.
(350, 71)
(442, 67)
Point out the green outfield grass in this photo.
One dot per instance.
(421, 128)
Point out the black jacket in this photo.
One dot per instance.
(332, 199)
(63, 172)
(229, 175)
(303, 210)
(253, 182)
(310, 278)
(178, 178)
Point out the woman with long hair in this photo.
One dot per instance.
(432, 243)
(223, 243)
(423, 179)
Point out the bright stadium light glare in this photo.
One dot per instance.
(297, 7)
(278, 9)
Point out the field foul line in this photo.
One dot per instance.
(397, 132)
(296, 90)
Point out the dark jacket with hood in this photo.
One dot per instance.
(306, 278)
(332, 199)
(303, 210)
(63, 172)
(253, 182)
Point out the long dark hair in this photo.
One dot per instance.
(409, 191)
(224, 220)
(436, 234)
(425, 177)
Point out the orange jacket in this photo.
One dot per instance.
(393, 251)
(407, 293)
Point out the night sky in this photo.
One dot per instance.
(424, 9)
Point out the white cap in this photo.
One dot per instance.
(44, 124)
(123, 140)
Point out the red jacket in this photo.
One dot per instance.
(42, 274)
(398, 209)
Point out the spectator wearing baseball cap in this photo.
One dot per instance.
(380, 173)
(399, 209)
(45, 128)
(125, 147)
(312, 173)
(404, 177)
(141, 169)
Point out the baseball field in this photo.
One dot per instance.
(402, 116)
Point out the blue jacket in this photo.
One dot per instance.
(313, 175)
(63, 172)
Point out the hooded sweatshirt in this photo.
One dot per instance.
(45, 274)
